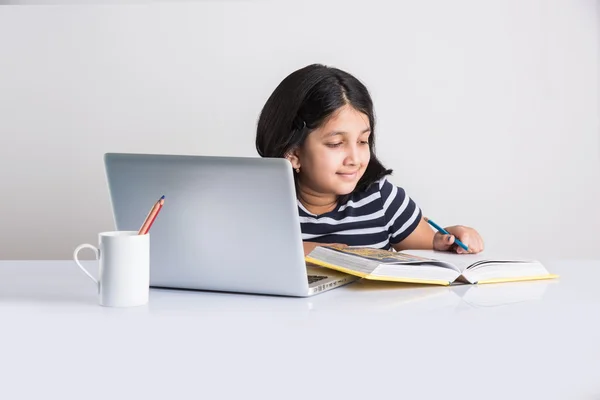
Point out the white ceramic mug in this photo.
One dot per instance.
(124, 273)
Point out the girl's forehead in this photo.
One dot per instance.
(346, 120)
(355, 123)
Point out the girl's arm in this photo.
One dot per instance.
(423, 237)
(308, 247)
(420, 238)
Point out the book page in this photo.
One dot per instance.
(388, 257)
(468, 261)
(460, 261)
(382, 256)
(345, 262)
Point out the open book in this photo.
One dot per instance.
(427, 266)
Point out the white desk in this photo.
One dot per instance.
(365, 340)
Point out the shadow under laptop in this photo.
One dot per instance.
(173, 301)
(360, 296)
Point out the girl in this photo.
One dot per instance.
(321, 119)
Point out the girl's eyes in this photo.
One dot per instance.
(334, 145)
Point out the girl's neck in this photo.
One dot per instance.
(317, 203)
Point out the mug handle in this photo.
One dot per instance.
(76, 252)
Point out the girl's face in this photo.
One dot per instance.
(335, 156)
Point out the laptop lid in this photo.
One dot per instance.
(228, 223)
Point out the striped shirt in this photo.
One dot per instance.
(379, 217)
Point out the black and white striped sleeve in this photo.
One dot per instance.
(402, 215)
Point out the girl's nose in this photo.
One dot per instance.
(352, 155)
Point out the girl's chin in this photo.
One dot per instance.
(342, 190)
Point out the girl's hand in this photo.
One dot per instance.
(469, 236)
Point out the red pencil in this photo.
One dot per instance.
(151, 216)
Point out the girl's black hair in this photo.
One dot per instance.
(303, 101)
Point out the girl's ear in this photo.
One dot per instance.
(292, 156)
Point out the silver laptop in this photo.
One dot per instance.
(228, 223)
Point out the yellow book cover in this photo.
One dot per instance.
(427, 266)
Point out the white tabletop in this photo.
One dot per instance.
(366, 340)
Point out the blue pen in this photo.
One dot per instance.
(445, 232)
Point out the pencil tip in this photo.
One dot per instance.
(162, 198)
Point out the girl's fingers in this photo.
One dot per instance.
(467, 241)
(447, 241)
(470, 238)
(442, 242)
(477, 245)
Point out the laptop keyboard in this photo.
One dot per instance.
(315, 278)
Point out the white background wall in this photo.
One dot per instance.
(487, 111)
